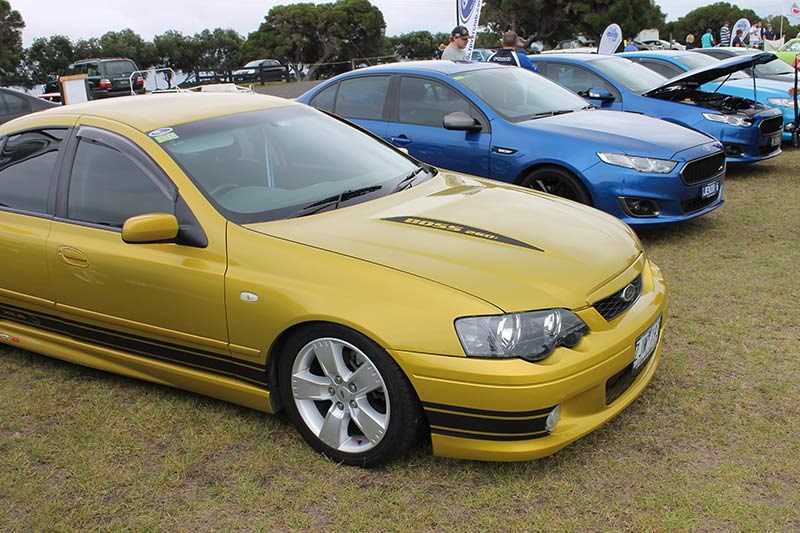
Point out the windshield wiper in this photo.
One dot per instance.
(551, 113)
(408, 180)
(335, 200)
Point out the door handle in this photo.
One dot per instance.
(73, 257)
(401, 140)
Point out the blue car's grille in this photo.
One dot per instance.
(771, 125)
(619, 302)
(703, 169)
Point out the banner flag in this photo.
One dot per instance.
(791, 8)
(611, 39)
(741, 24)
(467, 14)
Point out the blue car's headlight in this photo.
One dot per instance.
(781, 102)
(642, 164)
(532, 335)
(731, 120)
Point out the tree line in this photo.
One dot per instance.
(309, 36)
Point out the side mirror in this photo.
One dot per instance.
(460, 121)
(150, 228)
(599, 93)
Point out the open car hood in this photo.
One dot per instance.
(697, 77)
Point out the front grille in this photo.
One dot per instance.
(771, 125)
(696, 204)
(703, 169)
(614, 305)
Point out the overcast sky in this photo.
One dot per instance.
(80, 19)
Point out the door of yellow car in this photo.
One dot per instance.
(28, 161)
(159, 300)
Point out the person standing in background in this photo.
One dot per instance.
(707, 39)
(457, 49)
(508, 55)
(690, 41)
(755, 38)
(769, 33)
(737, 39)
(725, 34)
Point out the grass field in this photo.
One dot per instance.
(712, 445)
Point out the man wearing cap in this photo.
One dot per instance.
(457, 49)
(509, 56)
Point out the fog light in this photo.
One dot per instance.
(733, 150)
(552, 419)
(640, 207)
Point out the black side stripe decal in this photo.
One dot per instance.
(486, 425)
(461, 229)
(483, 412)
(463, 435)
(173, 353)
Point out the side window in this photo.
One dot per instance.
(325, 99)
(92, 69)
(665, 69)
(362, 97)
(27, 163)
(107, 187)
(576, 79)
(426, 102)
(15, 104)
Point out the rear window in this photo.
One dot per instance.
(119, 68)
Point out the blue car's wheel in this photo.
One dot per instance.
(558, 182)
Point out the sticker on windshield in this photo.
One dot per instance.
(159, 132)
(171, 136)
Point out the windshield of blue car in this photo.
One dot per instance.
(692, 61)
(774, 68)
(274, 163)
(634, 77)
(518, 94)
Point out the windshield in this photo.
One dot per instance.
(773, 68)
(518, 94)
(634, 77)
(693, 61)
(270, 164)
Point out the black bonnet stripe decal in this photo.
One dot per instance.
(461, 229)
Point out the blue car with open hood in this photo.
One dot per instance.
(515, 126)
(771, 92)
(748, 130)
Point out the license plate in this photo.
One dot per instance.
(646, 344)
(775, 141)
(709, 190)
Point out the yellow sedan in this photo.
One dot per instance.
(261, 252)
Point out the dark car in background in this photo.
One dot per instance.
(14, 104)
(261, 70)
(108, 77)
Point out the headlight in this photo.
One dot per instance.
(642, 164)
(781, 102)
(531, 336)
(732, 120)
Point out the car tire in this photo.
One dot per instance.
(347, 397)
(559, 182)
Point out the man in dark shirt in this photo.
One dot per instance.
(509, 56)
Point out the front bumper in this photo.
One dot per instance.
(676, 200)
(495, 409)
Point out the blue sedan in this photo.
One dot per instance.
(511, 125)
(749, 131)
(770, 92)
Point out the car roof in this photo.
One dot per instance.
(93, 59)
(570, 56)
(150, 112)
(434, 65)
(655, 53)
